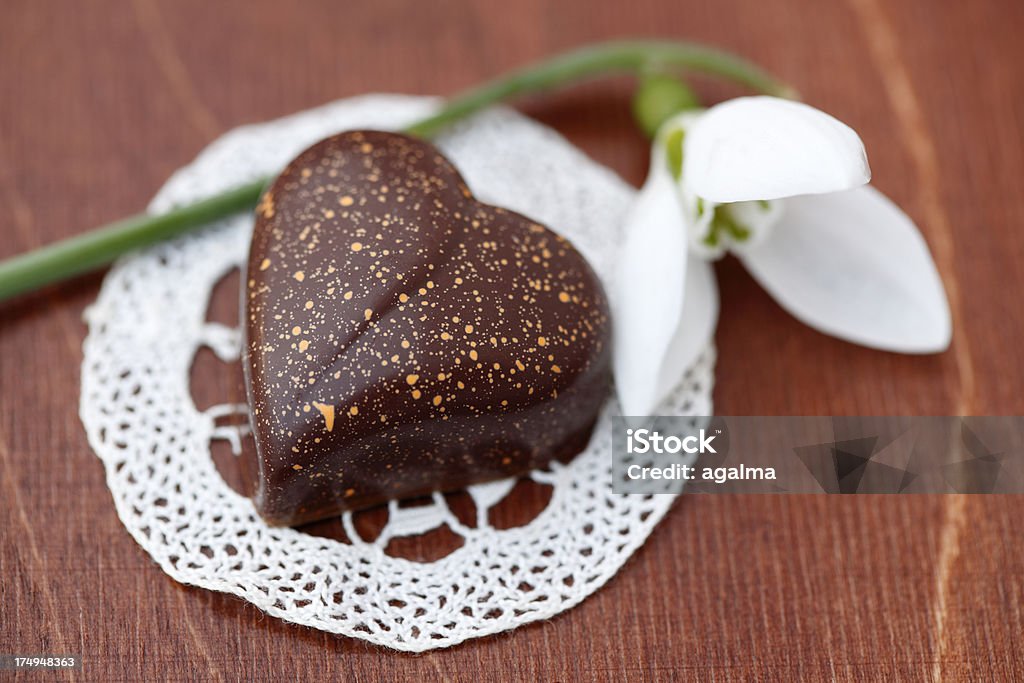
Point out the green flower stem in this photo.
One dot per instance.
(600, 59)
(100, 247)
(97, 248)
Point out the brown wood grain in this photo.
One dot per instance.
(101, 101)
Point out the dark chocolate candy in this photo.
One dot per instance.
(403, 337)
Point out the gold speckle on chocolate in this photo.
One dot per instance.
(438, 323)
(266, 205)
(328, 412)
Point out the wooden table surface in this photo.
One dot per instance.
(101, 101)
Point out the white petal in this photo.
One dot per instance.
(768, 148)
(853, 265)
(647, 303)
(696, 326)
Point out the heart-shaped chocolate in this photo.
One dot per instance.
(403, 337)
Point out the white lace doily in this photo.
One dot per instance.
(149, 322)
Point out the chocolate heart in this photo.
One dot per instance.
(403, 337)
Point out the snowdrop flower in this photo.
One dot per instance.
(783, 186)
